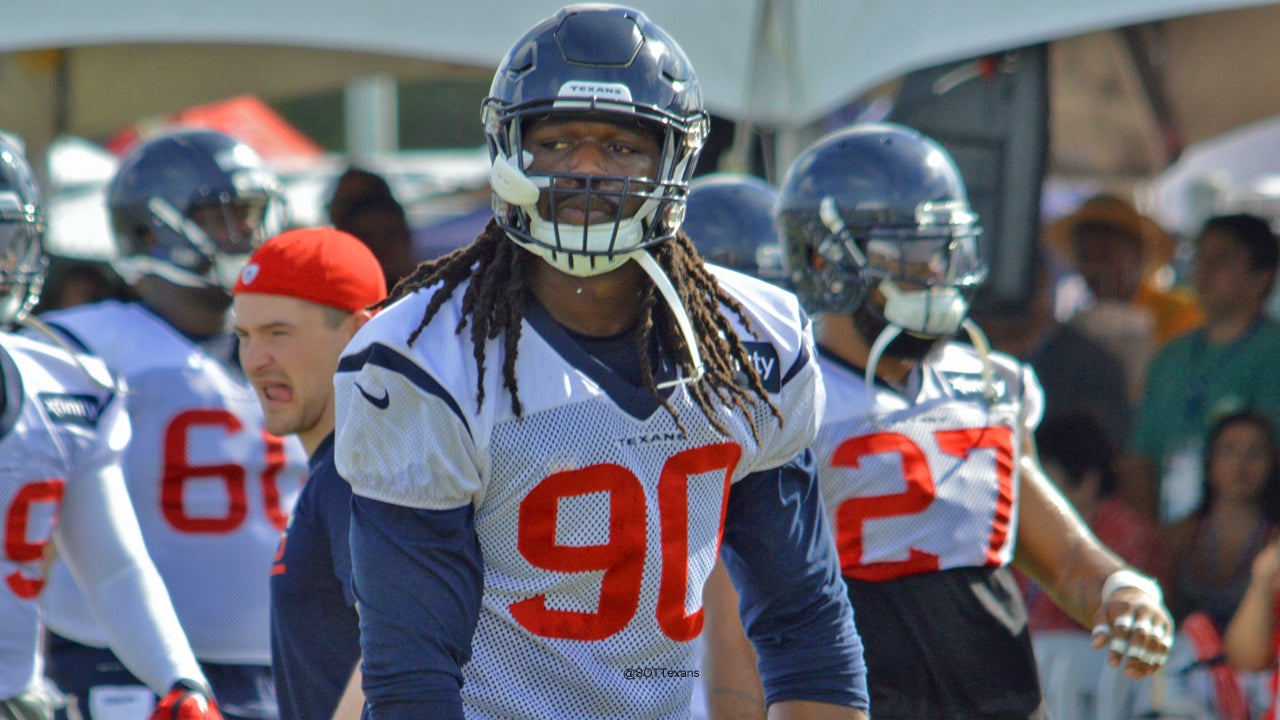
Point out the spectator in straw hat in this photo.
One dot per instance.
(1118, 251)
(298, 301)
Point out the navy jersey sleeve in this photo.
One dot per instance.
(335, 515)
(417, 576)
(780, 554)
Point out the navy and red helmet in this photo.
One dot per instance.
(732, 220)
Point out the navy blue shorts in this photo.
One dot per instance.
(244, 692)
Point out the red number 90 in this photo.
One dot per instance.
(621, 558)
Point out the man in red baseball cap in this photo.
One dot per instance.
(298, 301)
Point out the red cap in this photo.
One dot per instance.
(320, 265)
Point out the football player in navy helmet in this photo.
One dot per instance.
(187, 207)
(540, 429)
(62, 429)
(732, 219)
(925, 455)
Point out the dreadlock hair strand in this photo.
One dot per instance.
(725, 358)
(493, 305)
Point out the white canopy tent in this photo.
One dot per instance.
(1120, 108)
(778, 63)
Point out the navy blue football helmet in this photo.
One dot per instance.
(190, 206)
(732, 220)
(22, 224)
(879, 206)
(601, 62)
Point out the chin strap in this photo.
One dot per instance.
(663, 283)
(891, 331)
(983, 347)
(886, 336)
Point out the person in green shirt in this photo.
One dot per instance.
(1227, 364)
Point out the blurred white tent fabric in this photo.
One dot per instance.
(777, 61)
(1236, 171)
(780, 63)
(75, 199)
(75, 161)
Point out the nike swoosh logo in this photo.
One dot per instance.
(379, 402)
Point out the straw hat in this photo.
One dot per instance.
(1157, 245)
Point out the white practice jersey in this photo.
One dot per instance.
(55, 422)
(211, 489)
(926, 479)
(595, 493)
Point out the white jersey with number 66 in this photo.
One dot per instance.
(211, 489)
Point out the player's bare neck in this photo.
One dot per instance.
(312, 437)
(598, 306)
(838, 334)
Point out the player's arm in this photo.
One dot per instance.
(729, 665)
(780, 554)
(1088, 581)
(418, 578)
(336, 508)
(99, 538)
(416, 567)
(1250, 636)
(351, 704)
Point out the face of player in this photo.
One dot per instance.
(289, 349)
(591, 147)
(1239, 462)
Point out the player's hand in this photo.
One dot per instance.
(187, 700)
(1137, 630)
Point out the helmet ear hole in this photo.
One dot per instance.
(819, 263)
(145, 238)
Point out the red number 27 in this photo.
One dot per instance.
(917, 496)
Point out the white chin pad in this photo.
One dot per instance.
(938, 311)
(511, 184)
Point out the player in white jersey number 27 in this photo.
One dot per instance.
(925, 454)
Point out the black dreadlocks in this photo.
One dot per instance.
(497, 268)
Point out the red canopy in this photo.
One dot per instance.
(244, 117)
